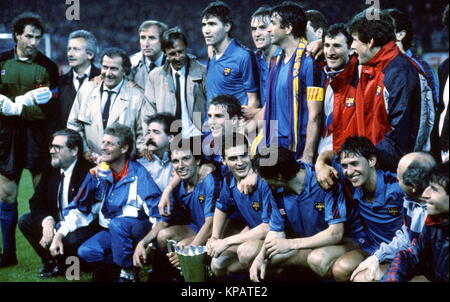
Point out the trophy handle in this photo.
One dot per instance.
(171, 246)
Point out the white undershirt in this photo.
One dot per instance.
(188, 127)
(158, 62)
(87, 73)
(67, 176)
(113, 97)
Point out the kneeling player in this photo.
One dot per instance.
(378, 197)
(192, 201)
(305, 217)
(235, 253)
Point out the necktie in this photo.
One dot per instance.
(61, 194)
(81, 80)
(152, 66)
(178, 96)
(105, 114)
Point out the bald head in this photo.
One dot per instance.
(411, 173)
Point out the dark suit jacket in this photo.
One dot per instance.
(44, 201)
(67, 95)
(443, 75)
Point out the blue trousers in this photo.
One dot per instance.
(116, 244)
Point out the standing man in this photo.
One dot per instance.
(151, 54)
(232, 69)
(316, 25)
(265, 50)
(428, 79)
(57, 188)
(97, 107)
(24, 123)
(81, 51)
(440, 134)
(123, 196)
(178, 87)
(296, 94)
(340, 90)
(388, 96)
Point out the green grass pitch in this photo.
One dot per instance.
(29, 262)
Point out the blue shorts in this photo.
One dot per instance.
(194, 227)
(364, 243)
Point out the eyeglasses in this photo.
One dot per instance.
(56, 147)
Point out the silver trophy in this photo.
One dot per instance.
(193, 261)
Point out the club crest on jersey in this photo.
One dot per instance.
(378, 90)
(201, 198)
(320, 206)
(226, 71)
(349, 102)
(256, 206)
(394, 211)
(282, 212)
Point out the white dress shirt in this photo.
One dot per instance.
(160, 169)
(188, 128)
(67, 176)
(158, 62)
(113, 97)
(76, 84)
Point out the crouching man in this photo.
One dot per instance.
(192, 207)
(235, 253)
(121, 196)
(304, 217)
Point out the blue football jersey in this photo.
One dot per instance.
(235, 73)
(310, 212)
(254, 208)
(194, 207)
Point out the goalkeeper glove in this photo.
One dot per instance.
(8, 108)
(37, 96)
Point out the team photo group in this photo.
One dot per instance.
(320, 154)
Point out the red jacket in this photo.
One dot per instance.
(388, 98)
(344, 90)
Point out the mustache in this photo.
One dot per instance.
(104, 76)
(150, 142)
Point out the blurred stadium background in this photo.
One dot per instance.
(115, 23)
